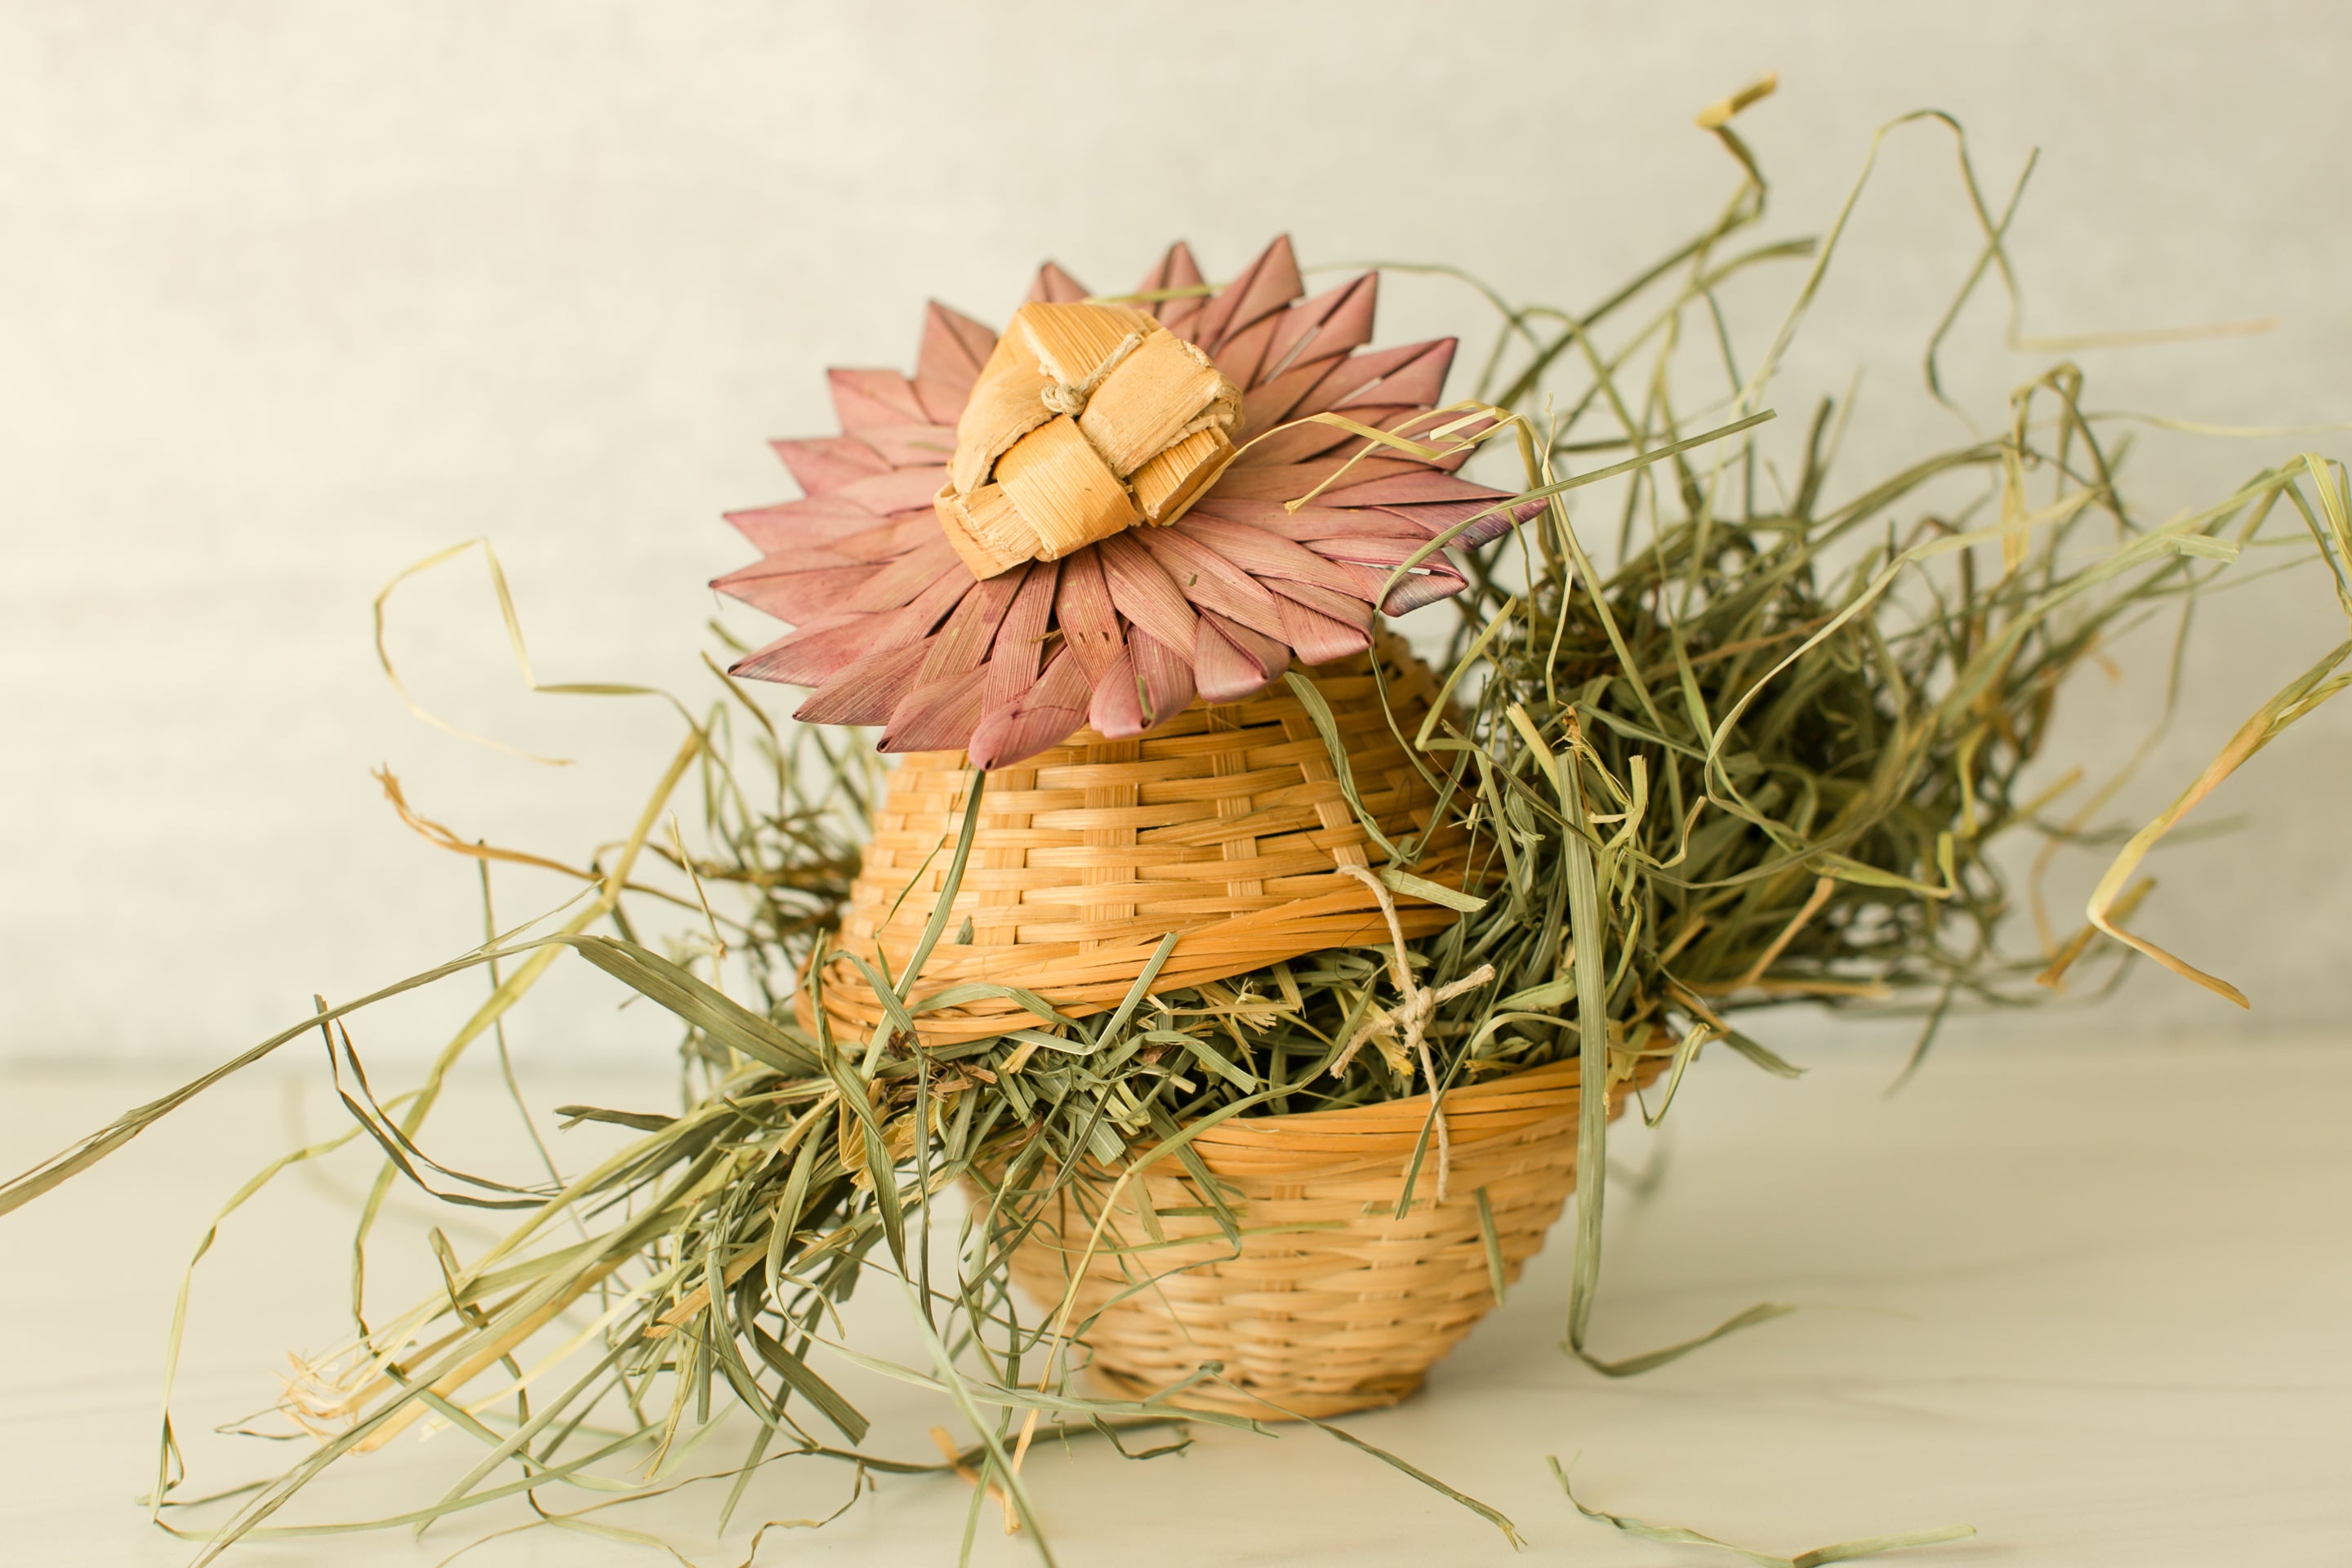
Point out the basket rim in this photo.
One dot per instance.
(1529, 1103)
(1523, 1088)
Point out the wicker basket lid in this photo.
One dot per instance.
(1082, 556)
(1226, 825)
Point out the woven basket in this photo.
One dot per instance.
(1330, 1303)
(1227, 824)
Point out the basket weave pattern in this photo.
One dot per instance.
(1227, 824)
(1330, 1303)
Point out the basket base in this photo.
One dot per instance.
(1375, 1394)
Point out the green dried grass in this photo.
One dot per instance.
(1763, 759)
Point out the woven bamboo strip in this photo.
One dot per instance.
(1331, 1302)
(1226, 825)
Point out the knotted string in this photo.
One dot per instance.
(1071, 397)
(1413, 1011)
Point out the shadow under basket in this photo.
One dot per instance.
(1329, 1302)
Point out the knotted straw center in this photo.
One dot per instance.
(1087, 420)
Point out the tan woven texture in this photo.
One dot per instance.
(1087, 420)
(1330, 1303)
(1227, 824)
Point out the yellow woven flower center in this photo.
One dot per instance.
(1087, 420)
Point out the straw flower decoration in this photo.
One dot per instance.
(1112, 507)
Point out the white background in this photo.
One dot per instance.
(295, 294)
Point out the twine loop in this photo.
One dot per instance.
(1072, 397)
(1416, 1006)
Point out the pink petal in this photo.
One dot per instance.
(1423, 586)
(912, 445)
(813, 654)
(1303, 441)
(1269, 653)
(1052, 710)
(1166, 676)
(1241, 355)
(819, 520)
(1309, 521)
(794, 596)
(1223, 669)
(908, 578)
(1177, 270)
(1402, 485)
(864, 397)
(1211, 581)
(899, 490)
(1021, 637)
(827, 462)
(1056, 287)
(1436, 517)
(1331, 324)
(1319, 639)
(1420, 380)
(1313, 520)
(1369, 579)
(964, 641)
(1265, 405)
(1344, 605)
(1260, 553)
(1144, 593)
(953, 345)
(1288, 481)
(1117, 709)
(1360, 378)
(1265, 287)
(1435, 578)
(954, 348)
(1383, 551)
(1083, 608)
(864, 690)
(889, 538)
(937, 715)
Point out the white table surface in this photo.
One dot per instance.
(2093, 1299)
